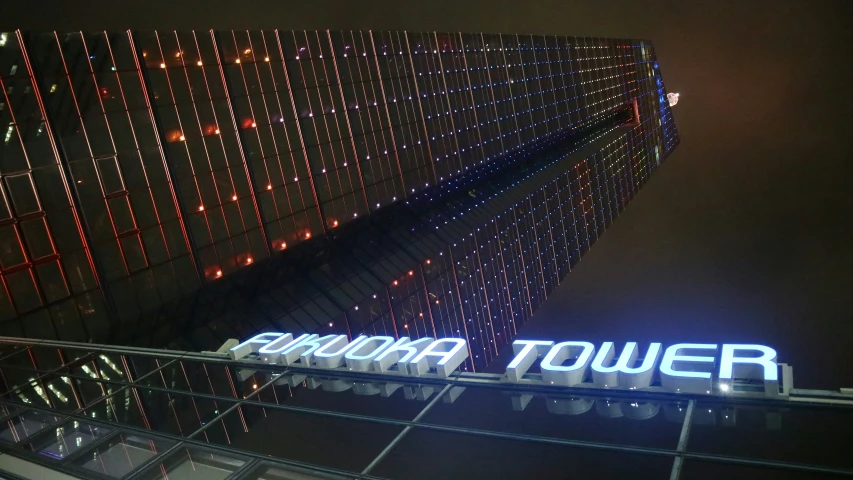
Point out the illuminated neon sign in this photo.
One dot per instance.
(683, 367)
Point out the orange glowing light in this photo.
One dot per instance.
(233, 197)
(199, 63)
(395, 282)
(249, 260)
(174, 135)
(428, 261)
(283, 245)
(182, 138)
(219, 273)
(247, 51)
(238, 61)
(217, 131)
(201, 208)
(162, 65)
(335, 223)
(254, 125)
(266, 59)
(307, 234)
(269, 187)
(411, 272)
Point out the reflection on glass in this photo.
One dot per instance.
(122, 454)
(6, 410)
(68, 438)
(25, 425)
(773, 433)
(339, 394)
(619, 420)
(694, 469)
(194, 464)
(268, 472)
(421, 455)
(258, 429)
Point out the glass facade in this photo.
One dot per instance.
(100, 412)
(182, 188)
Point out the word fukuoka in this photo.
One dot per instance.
(683, 367)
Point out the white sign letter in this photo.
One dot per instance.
(526, 352)
(270, 352)
(303, 350)
(754, 368)
(623, 375)
(392, 354)
(246, 347)
(686, 380)
(444, 355)
(326, 359)
(554, 373)
(361, 363)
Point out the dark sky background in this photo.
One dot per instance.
(744, 235)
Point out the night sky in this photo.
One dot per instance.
(744, 235)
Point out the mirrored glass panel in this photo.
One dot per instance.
(268, 472)
(424, 454)
(26, 425)
(65, 440)
(122, 454)
(195, 464)
(598, 419)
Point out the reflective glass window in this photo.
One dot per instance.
(68, 438)
(195, 464)
(122, 454)
(25, 425)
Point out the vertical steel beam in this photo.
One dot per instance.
(539, 79)
(471, 95)
(391, 311)
(71, 191)
(511, 102)
(506, 278)
(562, 220)
(538, 252)
(180, 205)
(492, 93)
(461, 310)
(485, 291)
(524, 84)
(393, 443)
(299, 130)
(426, 294)
(420, 107)
(387, 113)
(347, 115)
(446, 92)
(551, 237)
(678, 462)
(521, 259)
(241, 141)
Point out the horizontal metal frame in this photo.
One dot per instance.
(407, 426)
(826, 398)
(459, 379)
